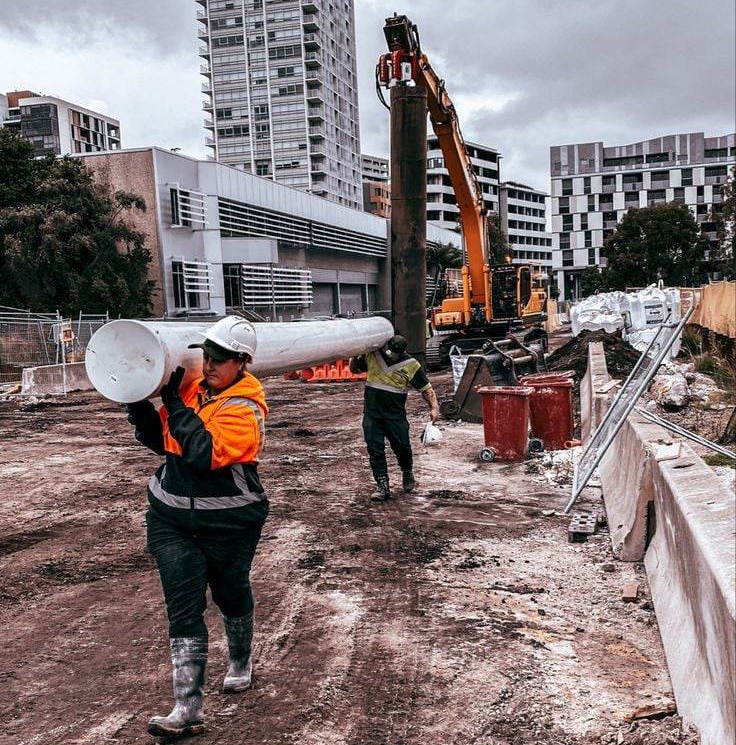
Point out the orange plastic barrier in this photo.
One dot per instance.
(330, 372)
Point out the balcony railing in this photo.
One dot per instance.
(204, 51)
(317, 132)
(202, 15)
(634, 186)
(311, 39)
(609, 188)
(205, 70)
(208, 124)
(715, 180)
(310, 21)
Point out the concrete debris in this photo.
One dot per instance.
(555, 466)
(670, 390)
(630, 592)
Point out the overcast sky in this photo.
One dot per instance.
(524, 74)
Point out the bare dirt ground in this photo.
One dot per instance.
(457, 615)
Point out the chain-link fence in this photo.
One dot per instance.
(35, 339)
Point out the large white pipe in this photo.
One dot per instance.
(129, 361)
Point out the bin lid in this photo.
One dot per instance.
(546, 381)
(505, 390)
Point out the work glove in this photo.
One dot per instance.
(170, 392)
(138, 411)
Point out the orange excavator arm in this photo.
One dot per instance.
(404, 63)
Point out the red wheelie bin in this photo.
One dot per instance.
(505, 422)
(550, 409)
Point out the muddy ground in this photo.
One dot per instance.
(457, 615)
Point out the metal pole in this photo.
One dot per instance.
(409, 216)
(676, 429)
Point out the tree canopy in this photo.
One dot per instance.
(64, 242)
(652, 243)
(499, 251)
(723, 218)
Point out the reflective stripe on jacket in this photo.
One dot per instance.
(393, 378)
(212, 445)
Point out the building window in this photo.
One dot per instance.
(586, 185)
(566, 187)
(564, 205)
(567, 258)
(687, 177)
(564, 240)
(588, 238)
(591, 203)
(584, 221)
(233, 285)
(177, 276)
(591, 256)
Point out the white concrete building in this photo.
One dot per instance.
(523, 218)
(374, 168)
(442, 209)
(223, 238)
(56, 126)
(592, 186)
(281, 88)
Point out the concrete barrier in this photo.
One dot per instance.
(49, 379)
(593, 402)
(691, 567)
(690, 559)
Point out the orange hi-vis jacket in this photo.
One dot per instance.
(212, 444)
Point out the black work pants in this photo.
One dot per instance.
(188, 562)
(376, 431)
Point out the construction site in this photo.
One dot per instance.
(557, 566)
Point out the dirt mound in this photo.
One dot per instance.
(620, 360)
(620, 355)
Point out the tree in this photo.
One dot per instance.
(499, 251)
(723, 218)
(441, 256)
(64, 242)
(653, 243)
(592, 280)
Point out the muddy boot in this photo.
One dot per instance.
(407, 481)
(188, 660)
(383, 491)
(239, 633)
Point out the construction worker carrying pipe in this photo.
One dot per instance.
(206, 510)
(390, 372)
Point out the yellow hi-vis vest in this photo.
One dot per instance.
(393, 378)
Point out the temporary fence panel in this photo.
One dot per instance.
(37, 339)
(635, 384)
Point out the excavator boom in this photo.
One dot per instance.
(405, 62)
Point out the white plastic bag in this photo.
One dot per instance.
(458, 362)
(431, 434)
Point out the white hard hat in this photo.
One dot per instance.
(232, 333)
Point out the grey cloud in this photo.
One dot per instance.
(163, 27)
(581, 70)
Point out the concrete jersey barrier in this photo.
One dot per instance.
(690, 560)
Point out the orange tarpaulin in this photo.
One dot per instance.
(717, 309)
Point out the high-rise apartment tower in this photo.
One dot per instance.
(281, 88)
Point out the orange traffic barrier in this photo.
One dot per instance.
(329, 372)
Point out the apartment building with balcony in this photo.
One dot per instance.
(592, 187)
(523, 218)
(376, 185)
(374, 168)
(53, 125)
(442, 209)
(221, 238)
(280, 91)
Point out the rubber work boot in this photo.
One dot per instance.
(188, 660)
(407, 481)
(383, 491)
(239, 633)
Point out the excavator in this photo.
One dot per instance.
(502, 306)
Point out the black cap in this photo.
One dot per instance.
(396, 344)
(216, 352)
